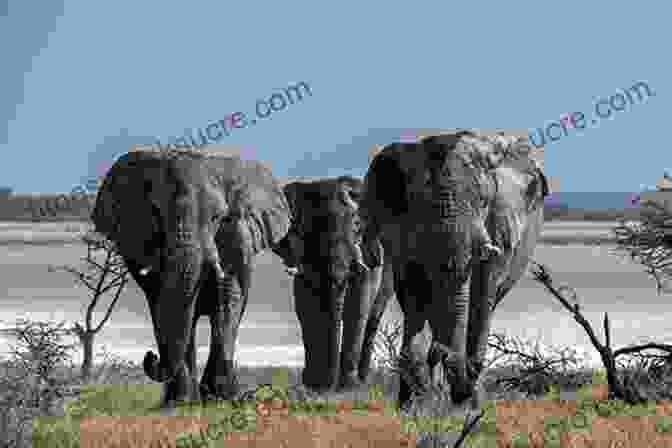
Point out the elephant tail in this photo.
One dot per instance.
(154, 369)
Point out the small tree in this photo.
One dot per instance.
(649, 242)
(34, 361)
(100, 276)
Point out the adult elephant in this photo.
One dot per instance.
(427, 201)
(330, 297)
(188, 226)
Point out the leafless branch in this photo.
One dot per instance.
(99, 277)
(617, 388)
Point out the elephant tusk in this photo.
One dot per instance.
(144, 271)
(218, 271)
(490, 250)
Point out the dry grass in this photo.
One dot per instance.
(276, 427)
(124, 413)
(131, 431)
(533, 423)
(537, 422)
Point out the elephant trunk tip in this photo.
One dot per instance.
(153, 369)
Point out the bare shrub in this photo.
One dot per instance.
(535, 368)
(115, 369)
(32, 383)
(104, 272)
(624, 384)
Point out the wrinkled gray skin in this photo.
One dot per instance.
(423, 199)
(330, 295)
(188, 226)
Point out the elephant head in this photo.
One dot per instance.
(187, 226)
(437, 204)
(323, 214)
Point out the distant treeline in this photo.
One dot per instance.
(78, 207)
(564, 213)
(45, 207)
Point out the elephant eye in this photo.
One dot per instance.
(427, 177)
(218, 218)
(227, 219)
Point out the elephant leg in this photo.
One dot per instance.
(482, 299)
(314, 327)
(362, 289)
(231, 294)
(448, 320)
(175, 318)
(206, 386)
(412, 291)
(382, 297)
(191, 354)
(150, 285)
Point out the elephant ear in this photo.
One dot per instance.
(521, 187)
(123, 211)
(255, 197)
(350, 191)
(521, 157)
(386, 183)
(372, 250)
(353, 186)
(293, 194)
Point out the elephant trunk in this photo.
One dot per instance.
(212, 255)
(462, 231)
(174, 309)
(452, 345)
(336, 333)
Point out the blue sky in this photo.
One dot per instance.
(80, 80)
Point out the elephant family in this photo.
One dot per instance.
(188, 226)
(427, 201)
(330, 296)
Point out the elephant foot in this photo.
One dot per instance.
(181, 389)
(314, 382)
(364, 374)
(318, 387)
(459, 395)
(350, 381)
(414, 382)
(221, 384)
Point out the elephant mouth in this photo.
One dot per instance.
(446, 206)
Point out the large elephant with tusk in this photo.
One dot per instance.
(338, 306)
(188, 226)
(459, 216)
